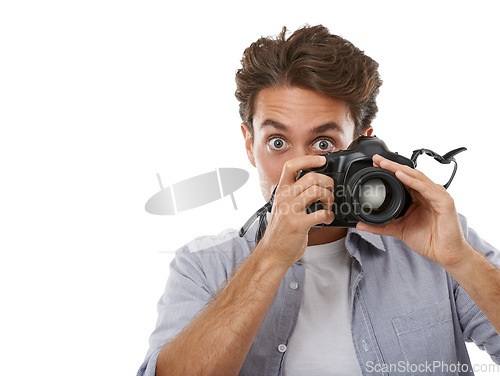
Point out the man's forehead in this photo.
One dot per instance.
(285, 107)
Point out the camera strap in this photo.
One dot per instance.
(262, 215)
(443, 159)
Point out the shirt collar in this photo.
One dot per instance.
(354, 235)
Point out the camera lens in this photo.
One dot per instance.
(376, 196)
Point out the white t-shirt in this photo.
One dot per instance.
(321, 343)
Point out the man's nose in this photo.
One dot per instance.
(302, 151)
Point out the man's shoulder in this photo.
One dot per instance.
(226, 246)
(213, 257)
(209, 259)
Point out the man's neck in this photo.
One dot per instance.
(322, 235)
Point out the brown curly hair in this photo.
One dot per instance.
(313, 59)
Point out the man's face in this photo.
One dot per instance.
(293, 122)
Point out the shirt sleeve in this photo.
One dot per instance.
(186, 293)
(475, 325)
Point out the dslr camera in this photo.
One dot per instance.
(361, 191)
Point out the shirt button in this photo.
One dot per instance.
(282, 348)
(365, 346)
(294, 285)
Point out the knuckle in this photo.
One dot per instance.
(326, 181)
(330, 180)
(450, 202)
(325, 216)
(447, 201)
(311, 178)
(305, 180)
(288, 165)
(314, 190)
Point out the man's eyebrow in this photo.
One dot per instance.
(328, 127)
(320, 129)
(273, 123)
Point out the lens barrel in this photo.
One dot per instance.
(376, 196)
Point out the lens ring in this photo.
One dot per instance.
(390, 210)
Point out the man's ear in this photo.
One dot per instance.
(247, 135)
(368, 131)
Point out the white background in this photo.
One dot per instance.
(96, 97)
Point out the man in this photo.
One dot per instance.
(396, 298)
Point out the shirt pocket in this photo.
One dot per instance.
(426, 334)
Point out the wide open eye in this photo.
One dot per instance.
(277, 143)
(324, 145)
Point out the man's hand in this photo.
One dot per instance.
(431, 226)
(286, 235)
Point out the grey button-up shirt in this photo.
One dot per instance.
(409, 316)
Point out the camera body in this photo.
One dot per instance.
(363, 192)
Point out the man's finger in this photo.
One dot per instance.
(293, 166)
(316, 193)
(392, 166)
(310, 179)
(434, 193)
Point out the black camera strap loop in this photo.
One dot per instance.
(262, 215)
(444, 159)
